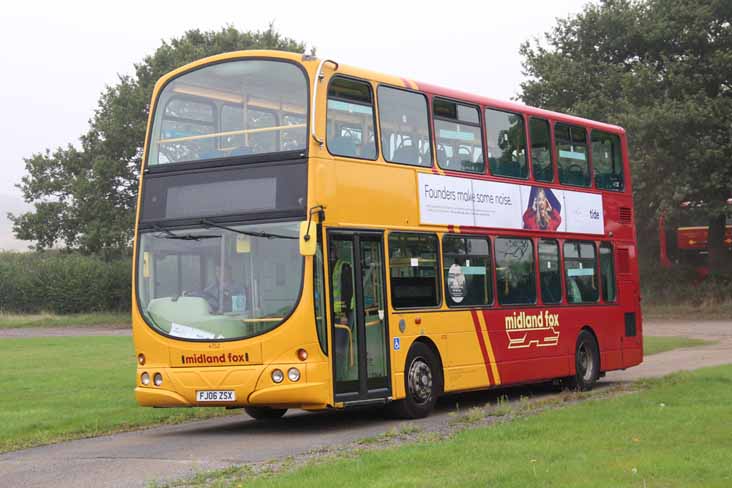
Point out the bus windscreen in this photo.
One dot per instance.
(231, 109)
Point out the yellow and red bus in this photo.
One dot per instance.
(312, 235)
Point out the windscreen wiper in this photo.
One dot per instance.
(266, 235)
(168, 234)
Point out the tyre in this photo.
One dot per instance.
(422, 384)
(265, 413)
(586, 362)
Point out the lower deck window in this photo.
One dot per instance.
(580, 265)
(515, 275)
(413, 270)
(467, 271)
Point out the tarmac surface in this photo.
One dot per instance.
(160, 454)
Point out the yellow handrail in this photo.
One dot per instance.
(230, 133)
(263, 319)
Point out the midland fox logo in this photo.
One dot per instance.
(524, 330)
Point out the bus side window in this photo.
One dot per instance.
(541, 150)
(607, 272)
(549, 274)
(571, 144)
(515, 275)
(580, 264)
(506, 140)
(350, 118)
(607, 162)
(458, 136)
(413, 270)
(466, 265)
(405, 133)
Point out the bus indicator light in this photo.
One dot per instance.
(141, 359)
(302, 354)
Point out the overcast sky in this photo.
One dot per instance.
(57, 56)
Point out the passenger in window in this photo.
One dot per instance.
(550, 287)
(574, 293)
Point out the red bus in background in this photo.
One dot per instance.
(684, 239)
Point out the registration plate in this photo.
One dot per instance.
(216, 396)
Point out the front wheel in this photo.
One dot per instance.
(586, 362)
(422, 384)
(265, 413)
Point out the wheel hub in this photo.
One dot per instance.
(420, 381)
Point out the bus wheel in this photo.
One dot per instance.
(265, 413)
(586, 362)
(422, 383)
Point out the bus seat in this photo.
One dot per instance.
(407, 154)
(442, 156)
(241, 151)
(212, 155)
(343, 146)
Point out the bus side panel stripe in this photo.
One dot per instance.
(481, 342)
(494, 366)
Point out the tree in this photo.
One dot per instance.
(663, 70)
(84, 198)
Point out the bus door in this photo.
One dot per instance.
(358, 312)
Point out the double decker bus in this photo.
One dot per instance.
(312, 235)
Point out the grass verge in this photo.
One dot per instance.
(657, 344)
(16, 321)
(673, 432)
(62, 388)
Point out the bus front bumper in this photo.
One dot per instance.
(253, 385)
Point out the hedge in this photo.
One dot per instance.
(63, 283)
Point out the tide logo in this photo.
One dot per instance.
(524, 330)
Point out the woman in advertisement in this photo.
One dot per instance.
(543, 211)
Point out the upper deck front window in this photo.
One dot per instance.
(230, 109)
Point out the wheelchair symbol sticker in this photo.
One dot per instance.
(397, 344)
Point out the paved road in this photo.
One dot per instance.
(165, 453)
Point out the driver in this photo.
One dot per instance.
(218, 293)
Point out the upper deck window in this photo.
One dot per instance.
(571, 144)
(506, 139)
(607, 161)
(541, 150)
(405, 133)
(229, 109)
(351, 119)
(457, 133)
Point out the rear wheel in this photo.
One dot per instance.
(265, 413)
(422, 384)
(586, 362)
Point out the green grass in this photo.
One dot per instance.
(674, 432)
(15, 321)
(70, 387)
(656, 344)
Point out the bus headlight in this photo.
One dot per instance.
(145, 378)
(293, 374)
(158, 379)
(277, 376)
